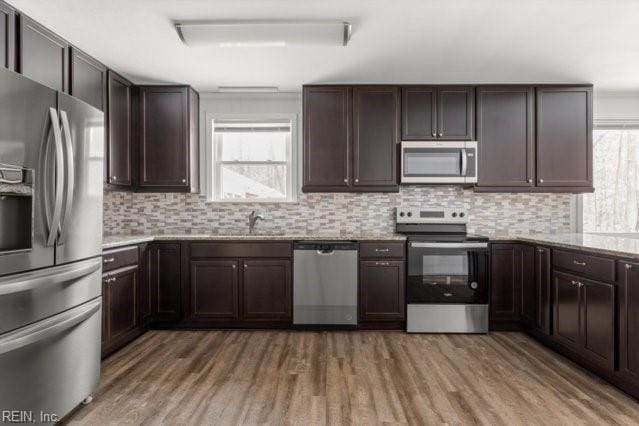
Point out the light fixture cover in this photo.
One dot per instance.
(263, 33)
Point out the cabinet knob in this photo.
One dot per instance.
(434, 134)
(114, 178)
(183, 180)
(345, 180)
(234, 266)
(628, 266)
(541, 181)
(530, 181)
(441, 134)
(356, 180)
(245, 266)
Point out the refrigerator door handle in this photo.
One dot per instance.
(70, 171)
(54, 221)
(33, 280)
(49, 327)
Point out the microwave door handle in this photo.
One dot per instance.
(464, 162)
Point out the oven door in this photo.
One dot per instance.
(439, 162)
(455, 273)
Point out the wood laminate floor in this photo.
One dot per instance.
(284, 377)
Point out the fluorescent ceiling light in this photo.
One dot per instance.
(264, 33)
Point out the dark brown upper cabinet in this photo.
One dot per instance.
(327, 138)
(376, 115)
(168, 139)
(43, 56)
(350, 138)
(505, 135)
(564, 137)
(438, 112)
(88, 79)
(629, 322)
(119, 149)
(7, 36)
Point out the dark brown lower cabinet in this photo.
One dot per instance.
(120, 313)
(584, 317)
(629, 323)
(166, 282)
(381, 290)
(543, 289)
(512, 285)
(214, 289)
(266, 289)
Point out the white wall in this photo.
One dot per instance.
(616, 105)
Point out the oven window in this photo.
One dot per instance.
(432, 163)
(445, 267)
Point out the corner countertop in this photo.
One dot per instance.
(114, 241)
(622, 246)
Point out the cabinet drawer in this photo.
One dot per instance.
(241, 249)
(120, 257)
(585, 265)
(381, 250)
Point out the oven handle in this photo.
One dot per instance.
(449, 245)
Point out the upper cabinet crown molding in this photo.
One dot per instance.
(7, 36)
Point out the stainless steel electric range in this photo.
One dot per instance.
(447, 287)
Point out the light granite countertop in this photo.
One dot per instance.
(114, 241)
(603, 244)
(622, 246)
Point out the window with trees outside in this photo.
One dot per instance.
(614, 205)
(253, 160)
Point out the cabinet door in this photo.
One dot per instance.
(564, 136)
(266, 290)
(88, 79)
(505, 304)
(419, 113)
(122, 302)
(525, 256)
(43, 56)
(543, 279)
(164, 138)
(381, 290)
(145, 302)
(119, 131)
(455, 113)
(105, 318)
(7, 36)
(567, 306)
(598, 321)
(214, 289)
(375, 137)
(629, 321)
(166, 278)
(505, 136)
(327, 138)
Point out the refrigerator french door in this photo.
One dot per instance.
(51, 156)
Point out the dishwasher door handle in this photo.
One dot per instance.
(325, 253)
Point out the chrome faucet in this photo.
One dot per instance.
(253, 218)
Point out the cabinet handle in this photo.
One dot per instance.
(577, 283)
(540, 250)
(627, 266)
(382, 263)
(382, 250)
(110, 280)
(109, 260)
(580, 284)
(579, 263)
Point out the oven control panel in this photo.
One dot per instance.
(443, 216)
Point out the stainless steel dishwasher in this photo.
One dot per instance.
(325, 283)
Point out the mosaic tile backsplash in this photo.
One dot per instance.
(327, 213)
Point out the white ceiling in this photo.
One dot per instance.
(394, 41)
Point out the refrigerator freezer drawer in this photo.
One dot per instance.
(51, 366)
(32, 296)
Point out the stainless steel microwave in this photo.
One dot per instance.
(452, 162)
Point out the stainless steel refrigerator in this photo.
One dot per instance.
(51, 155)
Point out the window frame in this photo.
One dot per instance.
(213, 165)
(578, 200)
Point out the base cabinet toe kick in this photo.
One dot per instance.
(583, 304)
